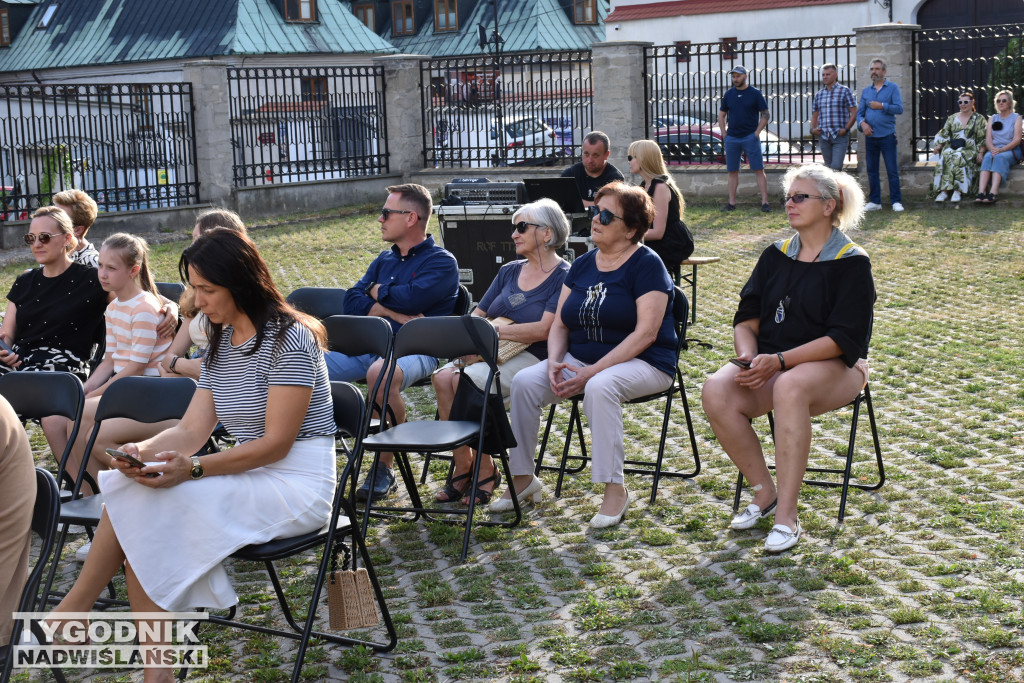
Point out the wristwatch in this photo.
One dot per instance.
(369, 289)
(173, 362)
(197, 468)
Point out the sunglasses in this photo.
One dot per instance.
(521, 226)
(386, 213)
(800, 198)
(629, 157)
(1004, 101)
(604, 216)
(963, 102)
(43, 237)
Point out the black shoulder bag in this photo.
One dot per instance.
(469, 400)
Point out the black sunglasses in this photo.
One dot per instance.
(1002, 101)
(629, 157)
(521, 226)
(43, 237)
(799, 198)
(386, 213)
(604, 216)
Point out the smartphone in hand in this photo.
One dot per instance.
(131, 460)
(739, 362)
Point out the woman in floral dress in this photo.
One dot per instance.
(961, 143)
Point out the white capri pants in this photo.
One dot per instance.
(602, 404)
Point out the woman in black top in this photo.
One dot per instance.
(802, 330)
(668, 235)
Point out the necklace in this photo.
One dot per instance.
(600, 254)
(780, 312)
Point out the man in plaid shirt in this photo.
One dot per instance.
(834, 113)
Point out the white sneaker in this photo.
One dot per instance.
(897, 207)
(82, 552)
(955, 196)
(941, 197)
(871, 206)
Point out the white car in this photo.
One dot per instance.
(525, 140)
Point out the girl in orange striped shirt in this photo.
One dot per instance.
(133, 344)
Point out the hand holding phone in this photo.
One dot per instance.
(5, 347)
(740, 363)
(130, 459)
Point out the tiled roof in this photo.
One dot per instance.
(677, 8)
(88, 32)
(526, 25)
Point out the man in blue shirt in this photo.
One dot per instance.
(748, 115)
(880, 104)
(413, 279)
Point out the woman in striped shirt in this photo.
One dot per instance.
(265, 378)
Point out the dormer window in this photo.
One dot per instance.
(5, 28)
(367, 14)
(584, 11)
(47, 16)
(300, 10)
(446, 15)
(402, 23)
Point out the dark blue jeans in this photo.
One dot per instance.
(887, 147)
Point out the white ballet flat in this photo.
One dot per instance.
(749, 517)
(534, 490)
(782, 538)
(600, 521)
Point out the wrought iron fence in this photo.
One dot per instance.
(684, 84)
(530, 109)
(947, 61)
(307, 123)
(129, 145)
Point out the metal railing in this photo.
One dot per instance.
(309, 123)
(531, 109)
(947, 61)
(684, 84)
(129, 145)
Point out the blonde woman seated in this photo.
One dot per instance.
(526, 292)
(668, 236)
(612, 339)
(802, 330)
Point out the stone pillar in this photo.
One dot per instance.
(618, 93)
(892, 44)
(212, 112)
(404, 111)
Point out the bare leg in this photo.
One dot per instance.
(996, 179)
(983, 181)
(734, 183)
(729, 408)
(55, 429)
(762, 184)
(142, 603)
(445, 382)
(78, 448)
(805, 390)
(614, 499)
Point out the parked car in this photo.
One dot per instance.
(667, 120)
(562, 125)
(704, 145)
(525, 141)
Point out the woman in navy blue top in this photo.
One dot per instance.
(524, 292)
(612, 337)
(801, 335)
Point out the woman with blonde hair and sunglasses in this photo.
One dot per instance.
(668, 235)
(1002, 140)
(801, 335)
(524, 292)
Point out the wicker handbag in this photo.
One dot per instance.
(506, 347)
(350, 602)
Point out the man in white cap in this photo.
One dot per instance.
(748, 115)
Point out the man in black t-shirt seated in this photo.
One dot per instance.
(594, 172)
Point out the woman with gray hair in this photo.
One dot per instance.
(523, 295)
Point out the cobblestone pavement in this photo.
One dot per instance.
(923, 581)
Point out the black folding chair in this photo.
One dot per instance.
(143, 399)
(319, 302)
(356, 335)
(45, 517)
(445, 337)
(35, 395)
(349, 414)
(463, 301)
(864, 397)
(680, 315)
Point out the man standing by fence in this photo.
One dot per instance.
(880, 104)
(747, 110)
(594, 172)
(834, 114)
